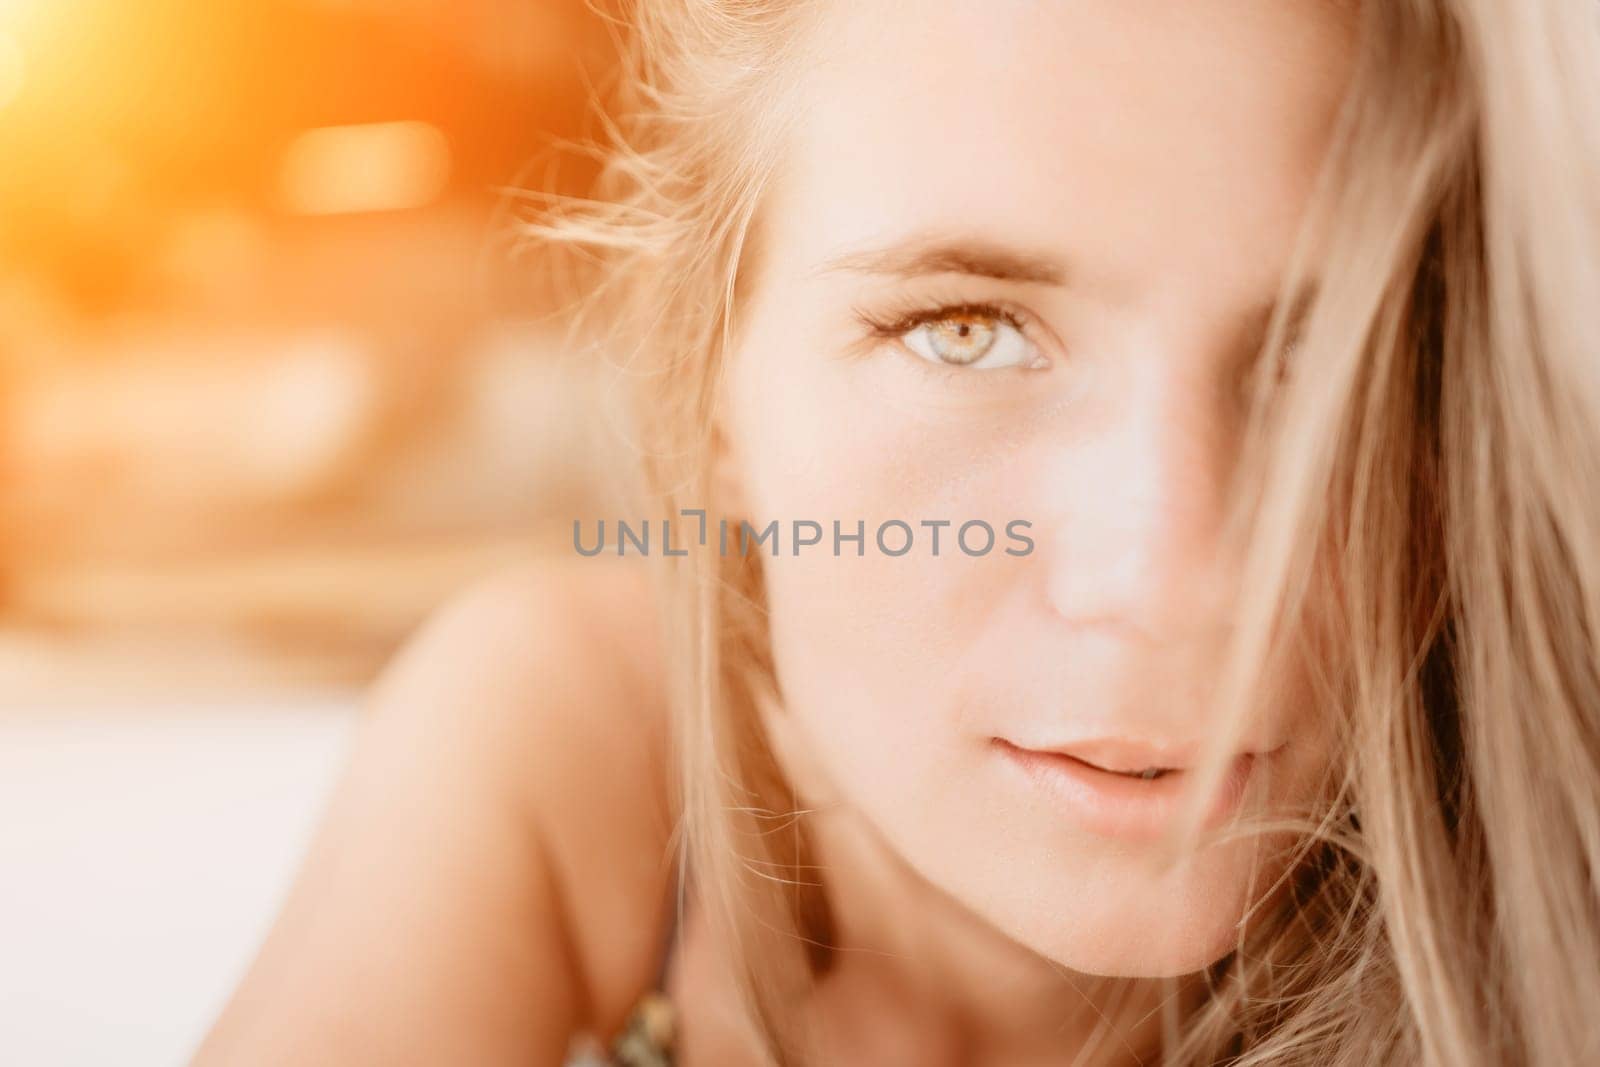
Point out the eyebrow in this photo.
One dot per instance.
(922, 256)
(918, 257)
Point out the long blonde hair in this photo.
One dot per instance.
(1445, 456)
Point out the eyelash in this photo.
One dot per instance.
(910, 317)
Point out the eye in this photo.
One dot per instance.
(978, 337)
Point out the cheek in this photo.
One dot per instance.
(862, 650)
(862, 640)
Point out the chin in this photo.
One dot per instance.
(1116, 950)
(1116, 913)
(1127, 919)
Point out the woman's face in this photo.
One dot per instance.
(1102, 197)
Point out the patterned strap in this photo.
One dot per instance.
(649, 1037)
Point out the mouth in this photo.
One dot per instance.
(1147, 774)
(1125, 790)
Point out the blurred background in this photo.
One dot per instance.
(275, 379)
(273, 372)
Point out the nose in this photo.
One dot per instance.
(1138, 482)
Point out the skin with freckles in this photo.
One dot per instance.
(1023, 276)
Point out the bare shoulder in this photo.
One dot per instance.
(563, 660)
(560, 664)
(492, 870)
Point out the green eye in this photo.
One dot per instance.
(962, 339)
(971, 338)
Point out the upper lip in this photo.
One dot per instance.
(1131, 756)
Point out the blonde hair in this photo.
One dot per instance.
(1445, 458)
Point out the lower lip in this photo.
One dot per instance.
(1118, 805)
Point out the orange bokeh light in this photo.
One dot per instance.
(13, 68)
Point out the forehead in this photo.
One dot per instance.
(1146, 142)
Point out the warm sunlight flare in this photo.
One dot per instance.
(383, 166)
(13, 68)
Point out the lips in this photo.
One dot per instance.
(1125, 789)
(1149, 774)
(1134, 758)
